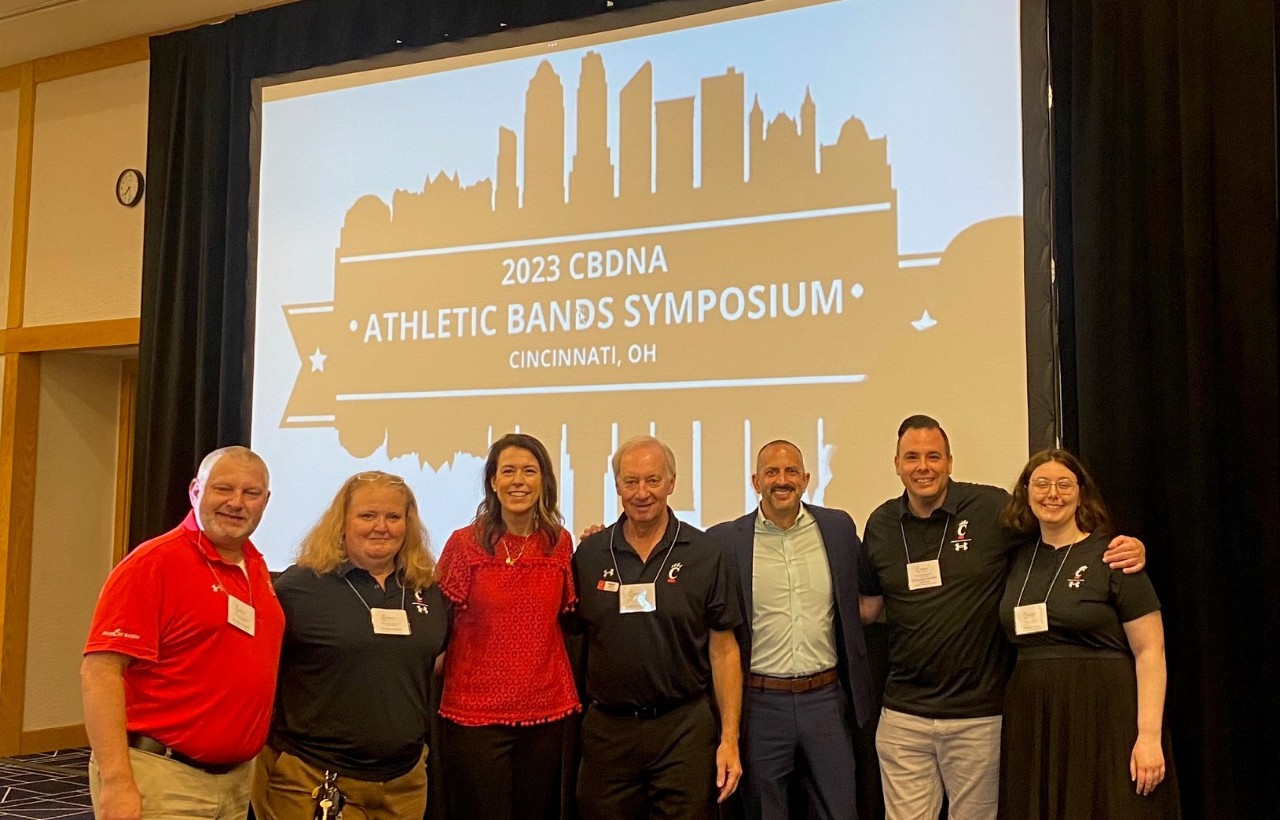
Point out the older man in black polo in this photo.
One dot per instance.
(659, 603)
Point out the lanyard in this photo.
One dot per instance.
(670, 549)
(945, 527)
(1055, 575)
(217, 582)
(366, 603)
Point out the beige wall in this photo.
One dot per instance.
(84, 249)
(83, 264)
(73, 526)
(8, 165)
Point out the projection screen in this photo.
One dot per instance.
(779, 219)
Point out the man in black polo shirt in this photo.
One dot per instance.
(658, 602)
(933, 564)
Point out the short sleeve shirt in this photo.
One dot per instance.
(653, 659)
(195, 682)
(947, 655)
(1088, 603)
(349, 699)
(507, 663)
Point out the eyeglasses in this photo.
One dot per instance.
(1064, 485)
(377, 475)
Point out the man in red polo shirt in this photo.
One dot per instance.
(179, 672)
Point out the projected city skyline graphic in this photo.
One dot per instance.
(724, 280)
(653, 182)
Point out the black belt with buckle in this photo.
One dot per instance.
(152, 746)
(642, 712)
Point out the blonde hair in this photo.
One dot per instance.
(323, 549)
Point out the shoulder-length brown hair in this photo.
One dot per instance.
(1091, 512)
(323, 548)
(488, 524)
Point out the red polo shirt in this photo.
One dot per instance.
(196, 682)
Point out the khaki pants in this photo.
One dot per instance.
(920, 758)
(282, 786)
(172, 790)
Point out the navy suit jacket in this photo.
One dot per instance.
(840, 537)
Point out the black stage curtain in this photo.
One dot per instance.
(196, 297)
(1166, 193)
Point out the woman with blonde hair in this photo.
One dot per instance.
(364, 624)
(507, 683)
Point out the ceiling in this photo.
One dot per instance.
(38, 28)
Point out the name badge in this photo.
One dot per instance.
(637, 598)
(240, 614)
(608, 586)
(1030, 619)
(390, 621)
(924, 574)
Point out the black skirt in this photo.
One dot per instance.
(1070, 722)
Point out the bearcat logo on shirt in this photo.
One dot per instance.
(419, 603)
(119, 633)
(962, 539)
(674, 571)
(1076, 580)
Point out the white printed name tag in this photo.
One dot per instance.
(924, 574)
(637, 598)
(240, 614)
(1030, 619)
(389, 621)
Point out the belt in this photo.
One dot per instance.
(642, 712)
(152, 746)
(804, 683)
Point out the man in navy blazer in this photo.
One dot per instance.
(803, 653)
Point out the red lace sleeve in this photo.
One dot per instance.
(564, 553)
(456, 567)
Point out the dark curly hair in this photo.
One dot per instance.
(1091, 512)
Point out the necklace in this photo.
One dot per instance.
(511, 559)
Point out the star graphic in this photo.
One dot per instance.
(317, 361)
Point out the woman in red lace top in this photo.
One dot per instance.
(507, 683)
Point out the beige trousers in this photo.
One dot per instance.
(174, 790)
(282, 787)
(921, 758)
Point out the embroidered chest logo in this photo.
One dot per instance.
(674, 571)
(419, 604)
(961, 542)
(604, 583)
(1076, 580)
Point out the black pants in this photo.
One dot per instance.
(636, 769)
(503, 772)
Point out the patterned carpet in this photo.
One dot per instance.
(46, 786)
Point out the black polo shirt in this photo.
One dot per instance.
(1087, 603)
(661, 658)
(948, 657)
(348, 699)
